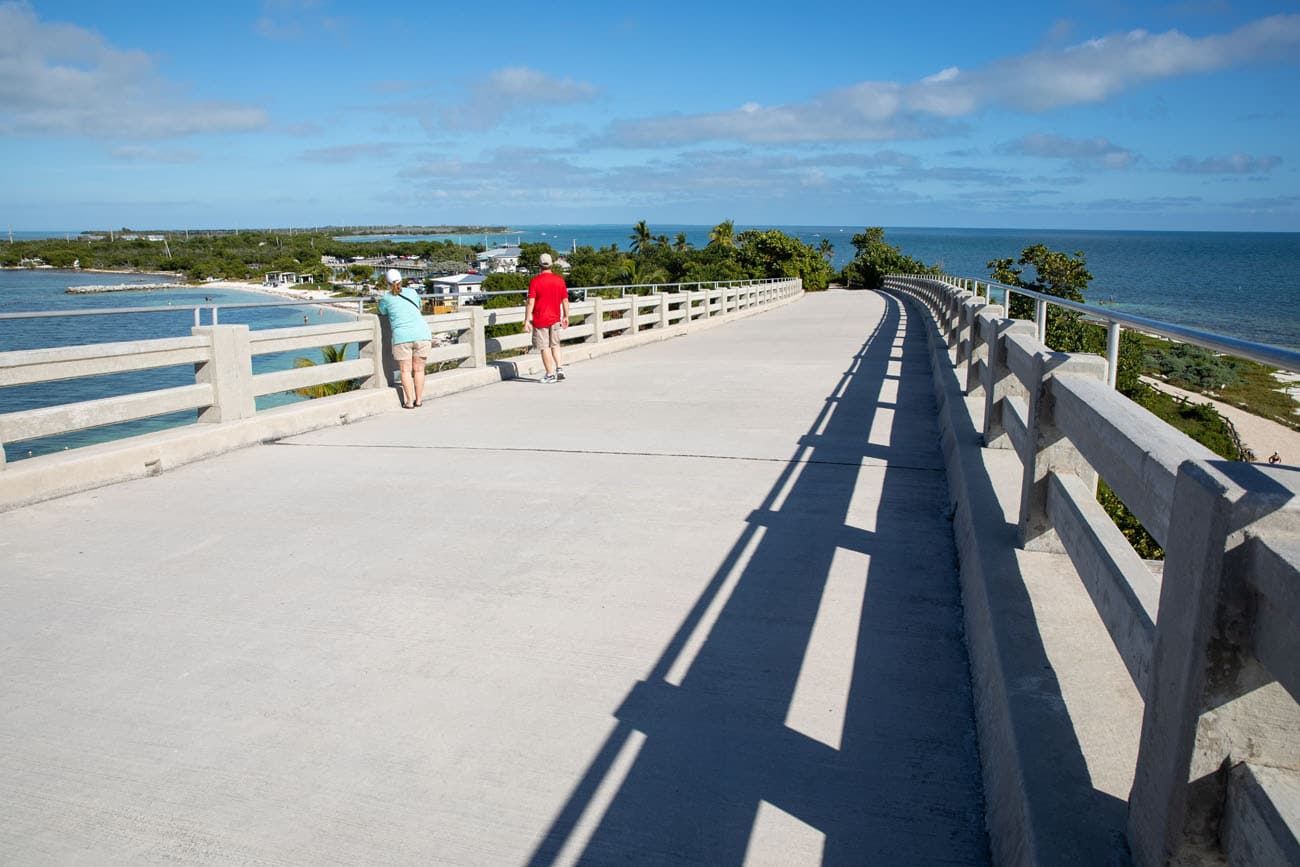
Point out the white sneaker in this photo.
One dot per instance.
(548, 378)
(559, 373)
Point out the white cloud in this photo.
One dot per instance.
(716, 177)
(1235, 164)
(347, 153)
(291, 19)
(1050, 78)
(146, 154)
(509, 90)
(61, 79)
(1085, 153)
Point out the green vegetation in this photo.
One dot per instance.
(329, 355)
(228, 255)
(248, 255)
(875, 258)
(1066, 276)
(653, 259)
(1235, 381)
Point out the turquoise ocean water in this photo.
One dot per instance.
(1245, 285)
(22, 290)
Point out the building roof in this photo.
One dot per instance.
(500, 253)
(460, 280)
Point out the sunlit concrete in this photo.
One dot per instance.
(695, 605)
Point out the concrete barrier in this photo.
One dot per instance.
(1211, 643)
(225, 385)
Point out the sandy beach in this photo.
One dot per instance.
(1260, 435)
(325, 297)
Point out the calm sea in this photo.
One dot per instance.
(1241, 284)
(22, 291)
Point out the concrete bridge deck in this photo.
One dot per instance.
(698, 604)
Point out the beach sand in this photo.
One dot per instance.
(325, 297)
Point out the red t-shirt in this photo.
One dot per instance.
(550, 292)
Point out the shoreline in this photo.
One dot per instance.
(318, 297)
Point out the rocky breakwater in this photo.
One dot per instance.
(122, 287)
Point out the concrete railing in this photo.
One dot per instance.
(1115, 321)
(225, 384)
(1213, 646)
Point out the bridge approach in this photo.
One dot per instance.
(802, 579)
(696, 604)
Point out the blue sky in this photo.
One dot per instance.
(1108, 114)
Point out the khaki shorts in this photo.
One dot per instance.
(545, 338)
(417, 348)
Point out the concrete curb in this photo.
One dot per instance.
(57, 475)
(1041, 804)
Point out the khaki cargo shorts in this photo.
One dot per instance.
(545, 338)
(416, 348)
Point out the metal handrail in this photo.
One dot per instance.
(1263, 353)
(197, 309)
(328, 302)
(108, 311)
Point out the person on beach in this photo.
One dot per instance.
(547, 315)
(412, 339)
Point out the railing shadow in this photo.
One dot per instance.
(901, 782)
(1033, 759)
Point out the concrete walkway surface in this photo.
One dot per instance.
(696, 605)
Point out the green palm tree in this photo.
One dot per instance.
(827, 249)
(724, 234)
(634, 273)
(330, 355)
(641, 237)
(681, 245)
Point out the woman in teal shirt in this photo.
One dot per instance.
(412, 340)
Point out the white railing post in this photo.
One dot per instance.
(476, 336)
(1112, 353)
(229, 372)
(663, 311)
(597, 319)
(1000, 382)
(983, 318)
(1040, 320)
(373, 349)
(968, 307)
(634, 316)
(1209, 705)
(1048, 450)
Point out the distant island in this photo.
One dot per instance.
(95, 234)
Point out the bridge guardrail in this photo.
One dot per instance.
(1212, 645)
(225, 386)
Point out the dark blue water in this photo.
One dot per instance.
(1243, 284)
(22, 290)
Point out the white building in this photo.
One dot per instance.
(498, 260)
(459, 289)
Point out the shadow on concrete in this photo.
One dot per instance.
(901, 784)
(1041, 793)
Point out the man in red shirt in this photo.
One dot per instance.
(547, 315)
